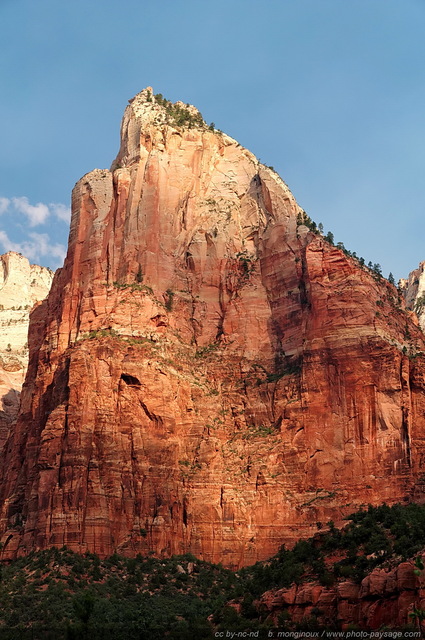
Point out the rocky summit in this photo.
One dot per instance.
(208, 374)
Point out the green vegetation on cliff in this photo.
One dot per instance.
(59, 594)
(180, 115)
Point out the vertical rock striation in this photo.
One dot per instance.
(206, 374)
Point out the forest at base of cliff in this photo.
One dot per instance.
(57, 593)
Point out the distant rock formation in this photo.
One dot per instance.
(414, 292)
(207, 373)
(21, 286)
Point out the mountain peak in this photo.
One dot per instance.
(209, 375)
(148, 120)
(173, 113)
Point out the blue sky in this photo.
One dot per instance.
(329, 92)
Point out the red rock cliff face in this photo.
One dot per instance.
(205, 376)
(384, 598)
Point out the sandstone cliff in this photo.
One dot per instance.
(414, 292)
(21, 286)
(206, 374)
(385, 598)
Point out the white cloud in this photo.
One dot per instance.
(37, 247)
(61, 211)
(21, 217)
(46, 248)
(36, 214)
(4, 205)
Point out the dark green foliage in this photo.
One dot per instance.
(282, 369)
(419, 566)
(329, 237)
(419, 304)
(83, 605)
(402, 526)
(391, 278)
(59, 594)
(139, 275)
(169, 299)
(418, 615)
(134, 287)
(303, 218)
(180, 116)
(258, 431)
(207, 350)
(372, 538)
(246, 263)
(118, 597)
(102, 333)
(377, 270)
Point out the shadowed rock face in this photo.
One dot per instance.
(386, 597)
(204, 375)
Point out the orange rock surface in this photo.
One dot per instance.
(385, 598)
(206, 375)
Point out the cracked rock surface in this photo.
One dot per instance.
(206, 375)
